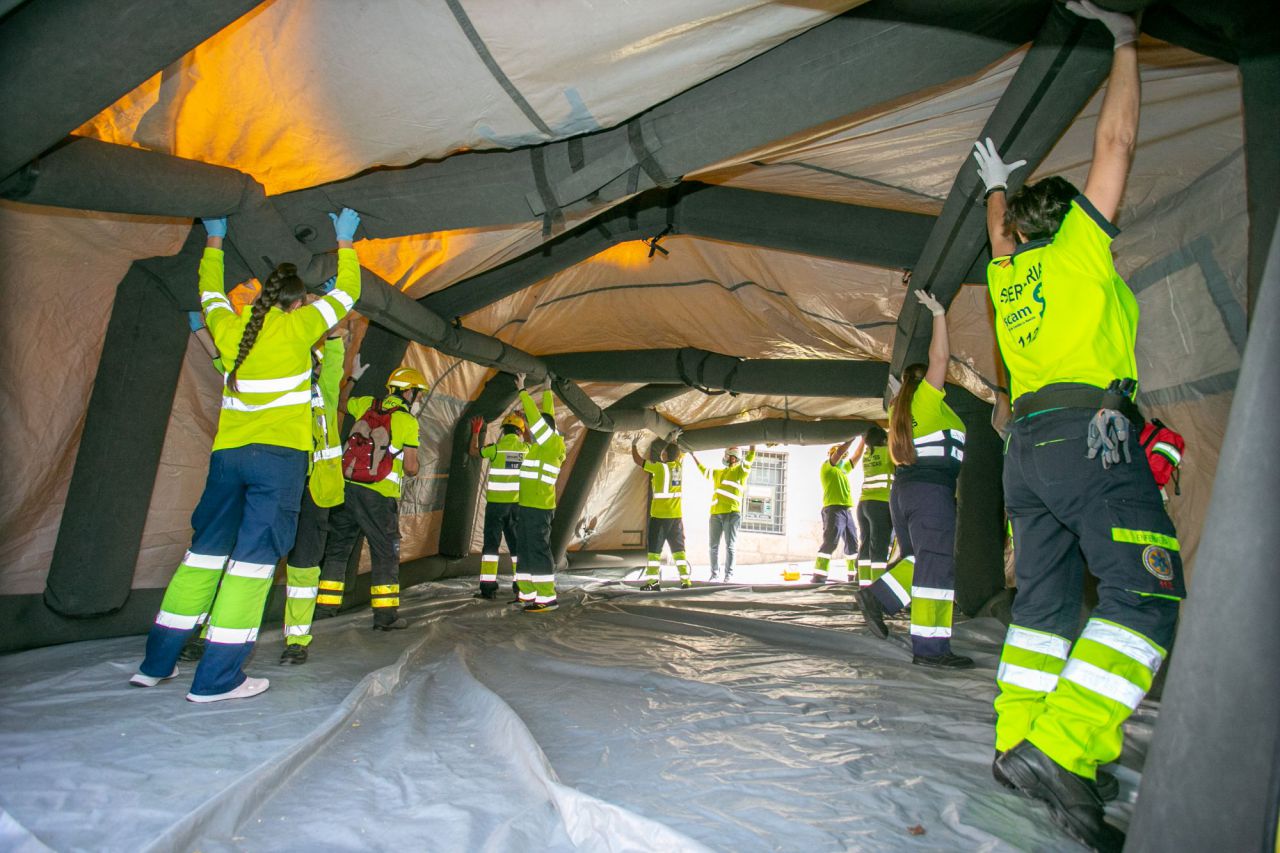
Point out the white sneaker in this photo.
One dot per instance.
(249, 687)
(140, 680)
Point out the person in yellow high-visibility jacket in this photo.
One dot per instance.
(727, 484)
(248, 513)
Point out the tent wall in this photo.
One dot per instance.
(119, 455)
(1218, 742)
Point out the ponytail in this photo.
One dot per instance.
(902, 446)
(282, 287)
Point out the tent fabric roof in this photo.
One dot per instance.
(298, 95)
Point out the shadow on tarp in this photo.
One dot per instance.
(730, 718)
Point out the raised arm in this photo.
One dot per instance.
(1116, 135)
(857, 453)
(837, 453)
(635, 453)
(995, 175)
(940, 346)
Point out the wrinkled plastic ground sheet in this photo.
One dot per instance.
(723, 718)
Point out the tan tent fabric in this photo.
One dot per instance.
(57, 283)
(335, 89)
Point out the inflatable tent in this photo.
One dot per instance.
(695, 217)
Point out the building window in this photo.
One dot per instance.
(764, 507)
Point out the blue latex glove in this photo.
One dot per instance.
(195, 320)
(215, 226)
(1109, 436)
(329, 285)
(345, 223)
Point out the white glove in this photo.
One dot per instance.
(993, 171)
(520, 377)
(1123, 27)
(927, 300)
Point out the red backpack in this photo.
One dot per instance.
(1164, 447)
(366, 458)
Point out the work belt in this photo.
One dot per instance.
(1077, 396)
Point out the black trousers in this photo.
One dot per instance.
(313, 528)
(877, 531)
(377, 516)
(668, 531)
(500, 522)
(924, 519)
(1069, 512)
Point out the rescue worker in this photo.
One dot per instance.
(727, 484)
(502, 497)
(874, 523)
(248, 513)
(926, 441)
(838, 526)
(1066, 324)
(666, 512)
(324, 491)
(381, 451)
(539, 471)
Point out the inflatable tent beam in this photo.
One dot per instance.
(845, 232)
(631, 412)
(1068, 60)
(1260, 79)
(820, 76)
(93, 175)
(776, 431)
(712, 371)
(119, 454)
(1217, 742)
(66, 61)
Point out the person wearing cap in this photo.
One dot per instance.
(727, 484)
(380, 452)
(838, 525)
(1066, 324)
(539, 471)
(502, 496)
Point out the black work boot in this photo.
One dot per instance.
(1107, 784)
(947, 660)
(193, 649)
(1074, 803)
(873, 612)
(396, 623)
(324, 611)
(488, 589)
(294, 654)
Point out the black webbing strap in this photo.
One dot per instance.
(1073, 396)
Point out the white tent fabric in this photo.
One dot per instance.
(739, 719)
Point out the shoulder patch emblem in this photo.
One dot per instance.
(1157, 561)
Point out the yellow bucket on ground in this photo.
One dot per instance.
(791, 573)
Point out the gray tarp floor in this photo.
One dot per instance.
(729, 718)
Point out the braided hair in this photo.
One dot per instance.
(282, 288)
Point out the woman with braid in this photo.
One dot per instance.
(248, 514)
